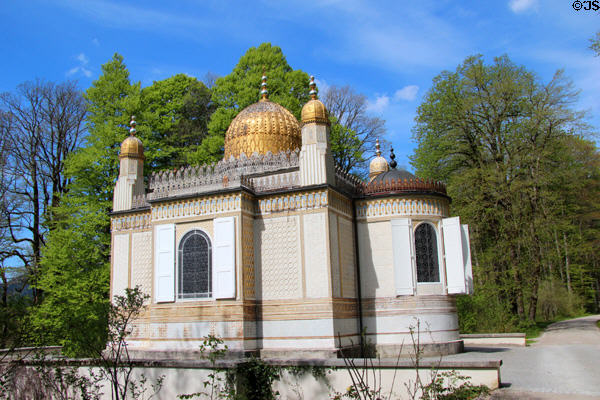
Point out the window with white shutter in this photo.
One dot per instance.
(164, 263)
(224, 258)
(467, 258)
(403, 256)
(453, 252)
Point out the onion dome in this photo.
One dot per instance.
(314, 110)
(132, 147)
(378, 164)
(262, 127)
(398, 181)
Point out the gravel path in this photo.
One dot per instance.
(563, 364)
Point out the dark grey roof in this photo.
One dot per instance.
(393, 174)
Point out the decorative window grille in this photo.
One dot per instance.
(426, 254)
(195, 268)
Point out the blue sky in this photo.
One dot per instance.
(388, 50)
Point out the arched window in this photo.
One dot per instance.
(427, 255)
(194, 275)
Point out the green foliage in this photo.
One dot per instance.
(239, 89)
(484, 312)
(520, 174)
(75, 262)
(555, 301)
(452, 386)
(173, 119)
(213, 349)
(346, 146)
(255, 380)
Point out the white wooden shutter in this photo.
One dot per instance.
(224, 258)
(164, 263)
(403, 256)
(467, 258)
(453, 251)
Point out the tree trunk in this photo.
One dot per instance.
(567, 264)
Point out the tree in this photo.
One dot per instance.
(595, 44)
(239, 89)
(353, 131)
(75, 264)
(500, 138)
(42, 123)
(174, 117)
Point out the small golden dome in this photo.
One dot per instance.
(378, 164)
(262, 127)
(132, 147)
(314, 110)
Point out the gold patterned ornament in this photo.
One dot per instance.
(132, 147)
(262, 127)
(314, 111)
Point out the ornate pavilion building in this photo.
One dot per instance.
(280, 253)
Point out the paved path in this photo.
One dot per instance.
(563, 364)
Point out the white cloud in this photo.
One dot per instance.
(519, 6)
(83, 59)
(407, 93)
(82, 67)
(379, 105)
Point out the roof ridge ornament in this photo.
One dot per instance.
(313, 88)
(377, 148)
(393, 162)
(132, 125)
(264, 93)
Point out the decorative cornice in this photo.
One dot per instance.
(231, 173)
(416, 185)
(402, 207)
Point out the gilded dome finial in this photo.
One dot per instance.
(378, 164)
(132, 146)
(393, 163)
(264, 93)
(313, 88)
(314, 110)
(132, 124)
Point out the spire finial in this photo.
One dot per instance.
(264, 93)
(132, 124)
(393, 163)
(378, 151)
(313, 88)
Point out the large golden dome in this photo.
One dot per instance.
(262, 127)
(132, 147)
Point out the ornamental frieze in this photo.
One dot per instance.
(292, 201)
(198, 207)
(401, 207)
(130, 222)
